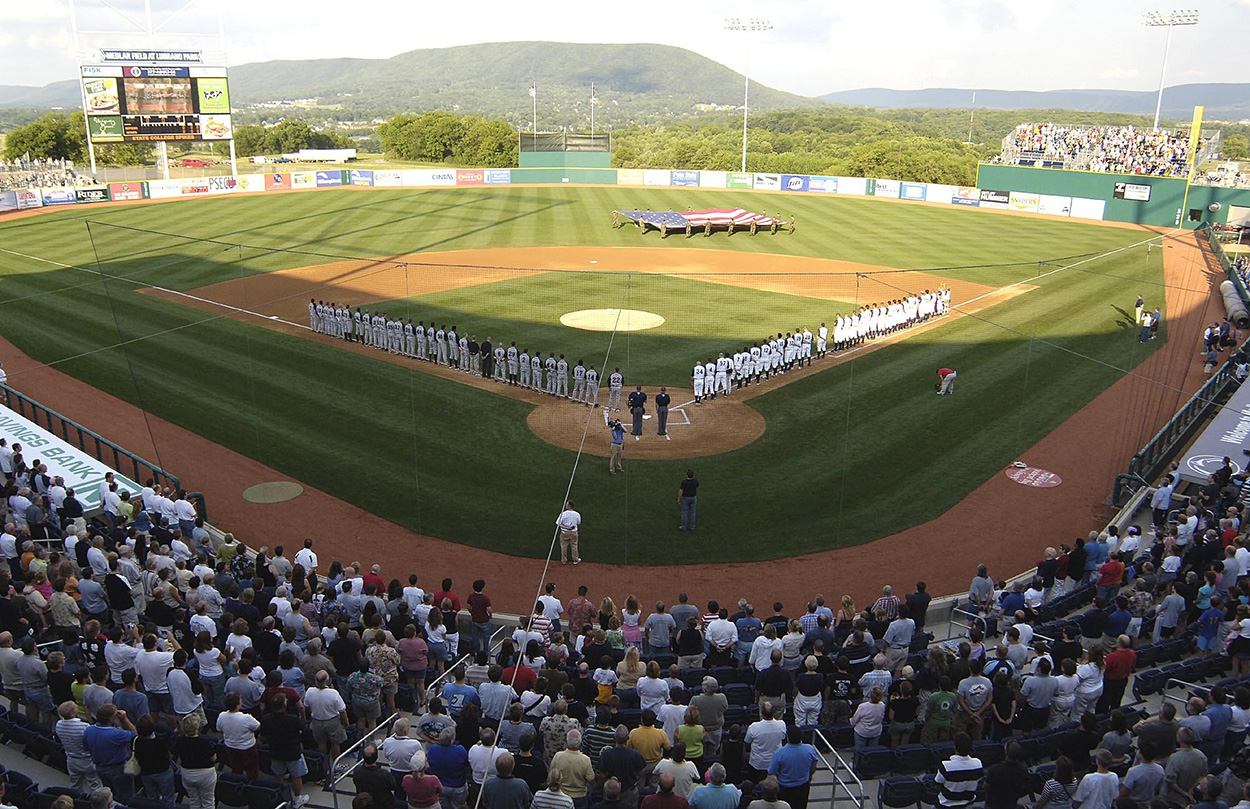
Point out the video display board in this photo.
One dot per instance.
(136, 103)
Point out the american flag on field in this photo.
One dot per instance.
(719, 217)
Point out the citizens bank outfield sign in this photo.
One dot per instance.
(1032, 476)
(81, 472)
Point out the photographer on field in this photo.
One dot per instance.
(618, 444)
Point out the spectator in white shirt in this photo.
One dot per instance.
(307, 559)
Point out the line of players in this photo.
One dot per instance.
(443, 346)
(776, 355)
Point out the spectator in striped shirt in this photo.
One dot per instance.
(959, 776)
(552, 797)
(888, 602)
(540, 623)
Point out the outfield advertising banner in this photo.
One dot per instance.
(197, 185)
(1057, 206)
(81, 472)
(362, 177)
(713, 179)
(29, 198)
(913, 191)
(966, 196)
(251, 182)
(858, 186)
(826, 185)
(995, 199)
(939, 193)
(768, 182)
(8, 201)
(741, 179)
(629, 177)
(59, 196)
(278, 181)
(1088, 208)
(91, 193)
(683, 177)
(162, 189)
(1022, 201)
(887, 188)
(388, 178)
(794, 182)
(429, 176)
(126, 192)
(329, 178)
(657, 177)
(223, 185)
(498, 176)
(470, 176)
(304, 179)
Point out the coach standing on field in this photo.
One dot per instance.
(637, 405)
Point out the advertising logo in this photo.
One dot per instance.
(966, 196)
(913, 191)
(303, 179)
(278, 181)
(105, 129)
(470, 177)
(29, 198)
(827, 185)
(683, 177)
(126, 191)
(994, 199)
(795, 182)
(59, 196)
(886, 188)
(219, 184)
(362, 177)
(501, 176)
(195, 186)
(213, 95)
(100, 194)
(1205, 465)
(329, 178)
(770, 182)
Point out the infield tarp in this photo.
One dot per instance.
(1224, 436)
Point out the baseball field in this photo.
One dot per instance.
(197, 312)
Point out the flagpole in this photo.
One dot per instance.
(592, 112)
(534, 95)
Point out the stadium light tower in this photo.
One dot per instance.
(747, 25)
(1168, 20)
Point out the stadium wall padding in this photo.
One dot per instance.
(584, 160)
(1164, 208)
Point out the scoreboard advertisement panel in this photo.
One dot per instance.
(137, 103)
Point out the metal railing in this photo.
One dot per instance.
(334, 777)
(856, 797)
(97, 446)
(1184, 684)
(431, 689)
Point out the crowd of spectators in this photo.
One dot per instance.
(1228, 175)
(1120, 149)
(194, 656)
(40, 174)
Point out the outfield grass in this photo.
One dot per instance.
(849, 454)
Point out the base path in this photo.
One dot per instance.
(1023, 520)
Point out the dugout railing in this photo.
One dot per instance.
(94, 444)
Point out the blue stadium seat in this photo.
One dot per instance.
(939, 752)
(899, 792)
(138, 802)
(48, 795)
(20, 789)
(738, 694)
(693, 678)
(232, 789)
(990, 752)
(266, 793)
(930, 791)
(911, 759)
(723, 674)
(873, 761)
(842, 737)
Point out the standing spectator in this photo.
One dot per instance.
(667, 797)
(1185, 768)
(659, 630)
(711, 705)
(651, 742)
(918, 604)
(283, 731)
(480, 613)
(198, 763)
(399, 748)
(716, 793)
(424, 789)
(683, 772)
(687, 498)
(794, 764)
(483, 757)
(1118, 668)
(868, 720)
(328, 715)
(1144, 780)
(959, 776)
(83, 777)
(974, 693)
(1007, 782)
(552, 797)
(763, 738)
(449, 763)
(505, 791)
(1099, 789)
(371, 779)
(581, 611)
(34, 675)
(109, 740)
(1060, 790)
(576, 774)
(238, 731)
(156, 771)
(623, 764)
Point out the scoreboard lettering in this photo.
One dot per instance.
(131, 103)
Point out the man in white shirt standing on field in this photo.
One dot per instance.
(569, 521)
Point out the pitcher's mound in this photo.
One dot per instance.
(611, 319)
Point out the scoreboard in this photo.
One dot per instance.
(128, 103)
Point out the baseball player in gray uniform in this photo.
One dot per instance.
(536, 371)
(464, 352)
(312, 315)
(523, 366)
(359, 329)
(501, 367)
(592, 387)
(805, 348)
(562, 377)
(453, 347)
(615, 383)
(422, 354)
(410, 339)
(430, 333)
(579, 382)
(551, 374)
(513, 363)
(698, 378)
(440, 343)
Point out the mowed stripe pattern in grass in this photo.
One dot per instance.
(848, 454)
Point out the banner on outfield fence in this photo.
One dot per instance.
(278, 181)
(82, 473)
(913, 191)
(886, 188)
(740, 179)
(656, 177)
(222, 185)
(327, 179)
(1088, 208)
(163, 189)
(251, 182)
(303, 179)
(827, 185)
(935, 192)
(498, 176)
(629, 177)
(684, 177)
(1058, 206)
(768, 182)
(470, 176)
(91, 193)
(714, 179)
(8, 201)
(1022, 201)
(387, 178)
(125, 192)
(59, 196)
(966, 196)
(362, 177)
(794, 182)
(995, 199)
(856, 186)
(196, 185)
(29, 198)
(1138, 192)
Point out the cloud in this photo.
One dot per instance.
(1120, 74)
(1193, 74)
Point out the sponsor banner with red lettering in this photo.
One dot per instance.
(470, 177)
(126, 191)
(195, 185)
(29, 198)
(967, 196)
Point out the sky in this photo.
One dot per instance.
(813, 47)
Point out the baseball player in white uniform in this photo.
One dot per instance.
(464, 352)
(358, 326)
(723, 364)
(453, 347)
(379, 330)
(430, 333)
(740, 358)
(615, 383)
(410, 339)
(805, 347)
(822, 340)
(579, 382)
(699, 375)
(757, 362)
(788, 352)
(562, 377)
(440, 342)
(345, 323)
(551, 374)
(536, 371)
(513, 363)
(422, 353)
(312, 315)
(709, 384)
(523, 367)
(592, 387)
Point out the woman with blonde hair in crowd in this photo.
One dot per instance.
(631, 621)
(791, 647)
(607, 609)
(630, 670)
(844, 621)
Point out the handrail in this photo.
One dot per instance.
(442, 678)
(833, 770)
(1185, 684)
(951, 622)
(86, 440)
(334, 778)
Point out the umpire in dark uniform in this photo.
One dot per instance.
(488, 359)
(637, 402)
(661, 410)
